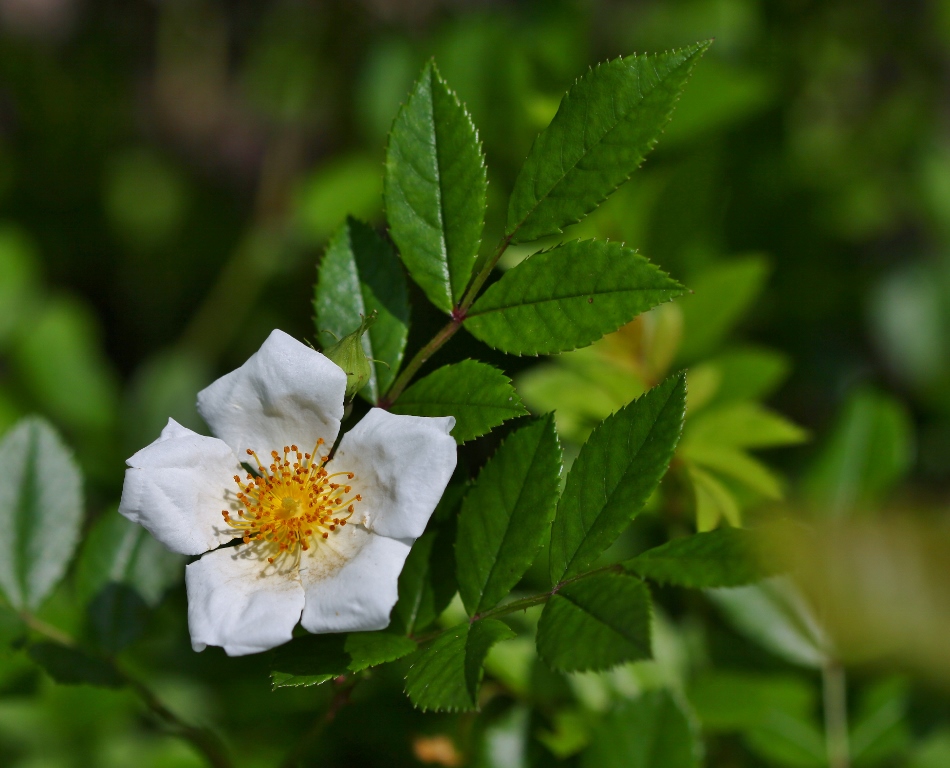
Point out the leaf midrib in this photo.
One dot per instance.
(504, 538)
(553, 300)
(620, 482)
(598, 619)
(588, 150)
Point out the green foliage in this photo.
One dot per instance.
(869, 451)
(722, 558)
(479, 396)
(596, 623)
(73, 666)
(568, 297)
(315, 659)
(359, 274)
(41, 511)
(773, 614)
(605, 125)
(507, 514)
(427, 582)
(624, 459)
(651, 731)
(117, 551)
(435, 189)
(446, 676)
(720, 297)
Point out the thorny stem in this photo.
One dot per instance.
(344, 687)
(836, 714)
(203, 739)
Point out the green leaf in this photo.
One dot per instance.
(315, 659)
(616, 471)
(41, 509)
(607, 122)
(713, 500)
(743, 425)
(507, 515)
(117, 615)
(596, 623)
(870, 449)
(427, 582)
(359, 273)
(478, 395)
(722, 558)
(738, 465)
(788, 740)
(435, 189)
(721, 296)
(651, 731)
(446, 676)
(568, 297)
(738, 701)
(72, 666)
(879, 730)
(773, 614)
(119, 551)
(746, 373)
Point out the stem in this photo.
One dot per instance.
(416, 363)
(469, 298)
(836, 715)
(340, 699)
(204, 740)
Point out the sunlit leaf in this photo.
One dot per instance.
(607, 122)
(478, 395)
(435, 188)
(617, 469)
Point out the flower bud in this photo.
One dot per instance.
(348, 353)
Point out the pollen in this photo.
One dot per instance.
(290, 504)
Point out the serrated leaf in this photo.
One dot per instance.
(596, 623)
(568, 297)
(617, 469)
(315, 659)
(427, 582)
(722, 558)
(478, 395)
(435, 189)
(607, 122)
(507, 514)
(360, 274)
(73, 666)
(744, 425)
(119, 551)
(41, 509)
(652, 731)
(446, 676)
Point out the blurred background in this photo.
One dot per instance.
(169, 174)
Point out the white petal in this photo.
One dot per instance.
(237, 601)
(402, 465)
(285, 394)
(351, 580)
(177, 487)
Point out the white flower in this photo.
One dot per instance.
(323, 543)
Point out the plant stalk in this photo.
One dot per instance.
(836, 714)
(402, 381)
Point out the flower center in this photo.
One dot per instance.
(291, 503)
